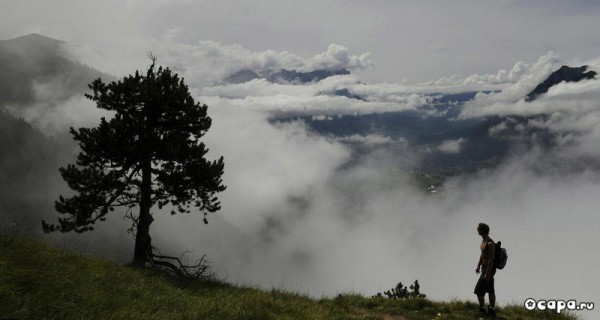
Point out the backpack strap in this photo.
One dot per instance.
(486, 245)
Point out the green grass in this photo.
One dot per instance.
(38, 281)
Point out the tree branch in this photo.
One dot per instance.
(200, 270)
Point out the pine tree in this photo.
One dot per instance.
(148, 154)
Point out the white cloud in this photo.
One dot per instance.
(207, 62)
(337, 57)
(315, 98)
(521, 72)
(305, 233)
(571, 98)
(55, 119)
(373, 139)
(451, 146)
(510, 99)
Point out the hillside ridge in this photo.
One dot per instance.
(38, 281)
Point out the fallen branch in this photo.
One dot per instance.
(200, 270)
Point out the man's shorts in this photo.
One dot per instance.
(482, 287)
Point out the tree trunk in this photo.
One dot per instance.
(142, 236)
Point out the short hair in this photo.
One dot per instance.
(484, 228)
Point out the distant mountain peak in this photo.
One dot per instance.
(32, 42)
(32, 60)
(284, 76)
(566, 74)
(34, 37)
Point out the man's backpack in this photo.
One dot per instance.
(500, 257)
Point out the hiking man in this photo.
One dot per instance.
(485, 284)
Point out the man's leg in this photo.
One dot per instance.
(492, 308)
(480, 290)
(492, 297)
(481, 302)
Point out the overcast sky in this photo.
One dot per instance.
(413, 40)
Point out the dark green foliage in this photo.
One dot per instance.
(402, 292)
(148, 154)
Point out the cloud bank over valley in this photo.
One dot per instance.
(323, 192)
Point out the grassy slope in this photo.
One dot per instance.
(41, 282)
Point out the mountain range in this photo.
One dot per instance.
(479, 141)
(284, 76)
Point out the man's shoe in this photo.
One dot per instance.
(492, 313)
(481, 314)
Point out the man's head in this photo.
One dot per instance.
(483, 229)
